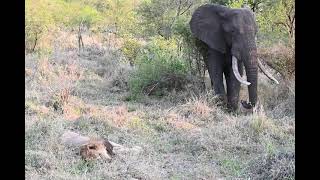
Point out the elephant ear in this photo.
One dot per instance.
(206, 25)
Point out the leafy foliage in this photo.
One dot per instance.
(278, 21)
(85, 15)
(164, 25)
(159, 17)
(38, 22)
(131, 49)
(236, 3)
(158, 64)
(121, 16)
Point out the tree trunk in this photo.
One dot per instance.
(80, 41)
(35, 43)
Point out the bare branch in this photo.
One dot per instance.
(187, 8)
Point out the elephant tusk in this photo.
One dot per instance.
(266, 72)
(236, 71)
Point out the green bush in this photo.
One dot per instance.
(38, 22)
(131, 49)
(159, 69)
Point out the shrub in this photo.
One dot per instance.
(38, 22)
(131, 49)
(159, 68)
(191, 48)
(280, 58)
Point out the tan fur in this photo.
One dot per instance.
(91, 148)
(95, 149)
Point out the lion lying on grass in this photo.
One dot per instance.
(93, 148)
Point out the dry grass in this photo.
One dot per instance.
(199, 106)
(183, 136)
(281, 58)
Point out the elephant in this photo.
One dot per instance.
(229, 35)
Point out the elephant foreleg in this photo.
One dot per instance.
(215, 68)
(207, 66)
(233, 87)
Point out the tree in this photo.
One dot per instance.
(286, 18)
(159, 17)
(44, 15)
(277, 18)
(81, 18)
(38, 22)
(121, 17)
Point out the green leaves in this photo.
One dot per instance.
(131, 49)
(159, 17)
(38, 21)
(84, 14)
(236, 3)
(158, 61)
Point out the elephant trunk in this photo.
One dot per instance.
(251, 68)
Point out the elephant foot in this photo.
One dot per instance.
(232, 107)
(246, 105)
(221, 99)
(246, 108)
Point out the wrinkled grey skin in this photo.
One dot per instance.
(228, 32)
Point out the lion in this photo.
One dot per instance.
(95, 148)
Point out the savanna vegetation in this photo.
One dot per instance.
(130, 71)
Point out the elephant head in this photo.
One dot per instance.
(230, 31)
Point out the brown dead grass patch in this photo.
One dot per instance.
(199, 107)
(74, 109)
(41, 110)
(280, 58)
(66, 40)
(45, 70)
(117, 115)
(71, 113)
(180, 122)
(277, 50)
(260, 122)
(28, 72)
(56, 76)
